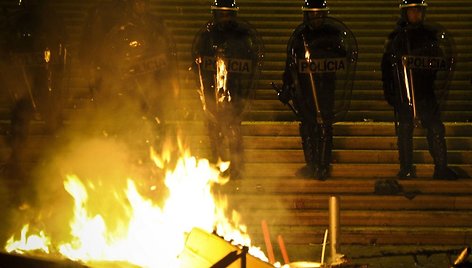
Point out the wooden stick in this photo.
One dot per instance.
(270, 250)
(283, 249)
(324, 246)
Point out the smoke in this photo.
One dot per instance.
(102, 165)
(104, 142)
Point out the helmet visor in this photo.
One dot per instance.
(405, 5)
(224, 8)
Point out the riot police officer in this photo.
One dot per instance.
(135, 63)
(410, 86)
(35, 58)
(98, 22)
(228, 59)
(319, 55)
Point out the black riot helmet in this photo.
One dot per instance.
(413, 3)
(314, 11)
(315, 5)
(225, 5)
(224, 10)
(413, 11)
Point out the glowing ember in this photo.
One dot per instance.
(148, 235)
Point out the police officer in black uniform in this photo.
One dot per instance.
(135, 63)
(35, 60)
(100, 19)
(228, 59)
(316, 55)
(409, 87)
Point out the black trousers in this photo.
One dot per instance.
(429, 117)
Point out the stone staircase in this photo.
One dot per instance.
(364, 144)
(432, 214)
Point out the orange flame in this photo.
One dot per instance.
(151, 235)
(31, 243)
(307, 55)
(223, 94)
(47, 55)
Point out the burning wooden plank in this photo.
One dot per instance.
(203, 250)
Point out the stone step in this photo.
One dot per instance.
(282, 156)
(313, 237)
(287, 170)
(313, 201)
(278, 128)
(287, 143)
(355, 116)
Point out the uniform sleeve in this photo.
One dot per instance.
(288, 86)
(387, 73)
(287, 77)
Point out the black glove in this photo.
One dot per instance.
(285, 95)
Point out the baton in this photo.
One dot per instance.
(395, 117)
(28, 87)
(201, 92)
(319, 119)
(409, 82)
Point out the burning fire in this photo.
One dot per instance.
(32, 242)
(222, 93)
(307, 55)
(151, 235)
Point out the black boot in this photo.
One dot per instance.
(307, 171)
(444, 173)
(323, 173)
(309, 145)
(324, 152)
(405, 151)
(438, 151)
